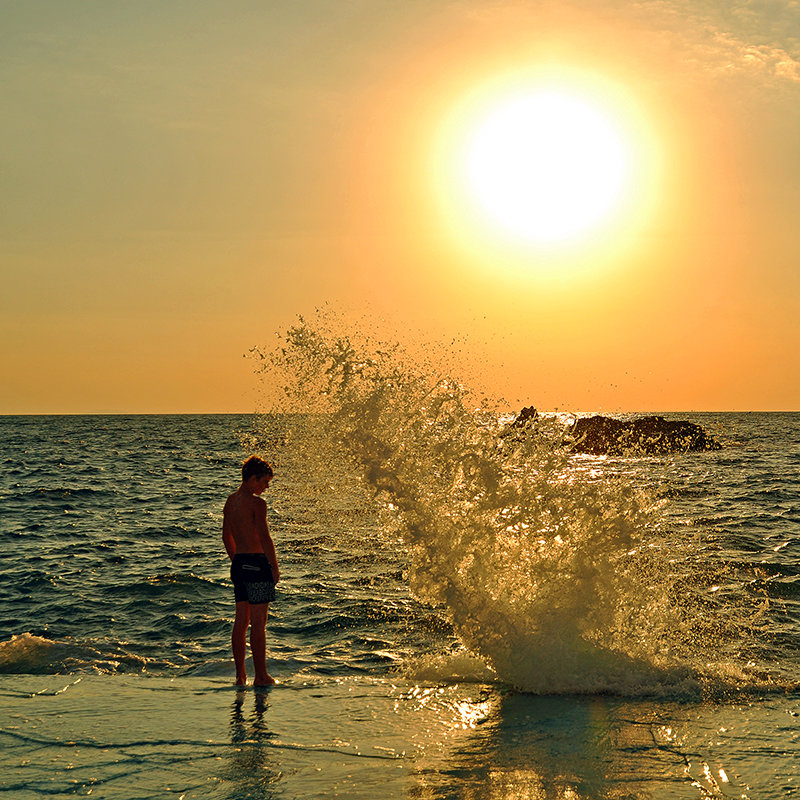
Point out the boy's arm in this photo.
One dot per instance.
(227, 534)
(266, 541)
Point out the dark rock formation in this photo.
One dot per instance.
(528, 415)
(601, 435)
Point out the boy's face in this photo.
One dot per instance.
(261, 483)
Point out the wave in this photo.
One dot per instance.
(558, 574)
(169, 582)
(27, 653)
(59, 494)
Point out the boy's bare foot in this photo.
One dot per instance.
(267, 680)
(241, 680)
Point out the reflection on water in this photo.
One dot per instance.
(515, 746)
(252, 770)
(366, 739)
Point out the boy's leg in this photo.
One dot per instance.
(258, 643)
(238, 640)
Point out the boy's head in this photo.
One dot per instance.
(255, 467)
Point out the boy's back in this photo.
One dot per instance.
(244, 518)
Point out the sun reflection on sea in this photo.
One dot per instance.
(484, 743)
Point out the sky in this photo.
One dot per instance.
(181, 179)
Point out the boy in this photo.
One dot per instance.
(254, 567)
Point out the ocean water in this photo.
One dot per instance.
(463, 613)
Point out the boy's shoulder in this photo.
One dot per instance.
(233, 498)
(244, 497)
(259, 501)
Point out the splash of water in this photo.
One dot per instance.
(553, 574)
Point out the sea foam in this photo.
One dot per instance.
(37, 655)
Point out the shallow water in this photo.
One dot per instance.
(114, 585)
(363, 737)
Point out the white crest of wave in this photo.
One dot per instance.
(27, 653)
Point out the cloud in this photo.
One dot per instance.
(759, 37)
(766, 59)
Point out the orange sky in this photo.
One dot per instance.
(180, 180)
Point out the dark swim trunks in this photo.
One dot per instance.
(251, 574)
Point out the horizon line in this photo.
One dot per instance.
(257, 412)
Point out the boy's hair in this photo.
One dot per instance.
(255, 467)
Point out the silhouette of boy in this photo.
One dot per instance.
(254, 567)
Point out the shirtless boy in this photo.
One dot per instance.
(254, 567)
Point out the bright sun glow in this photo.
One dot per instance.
(547, 166)
(547, 171)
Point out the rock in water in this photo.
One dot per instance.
(527, 416)
(599, 435)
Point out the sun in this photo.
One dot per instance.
(547, 165)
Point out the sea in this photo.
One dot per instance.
(466, 609)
